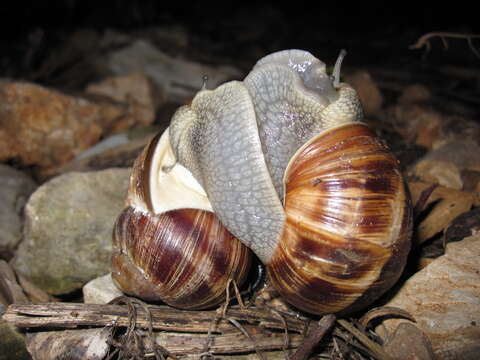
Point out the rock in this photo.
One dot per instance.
(477, 195)
(462, 226)
(367, 90)
(83, 344)
(459, 153)
(69, 222)
(449, 204)
(135, 90)
(451, 165)
(12, 343)
(15, 189)
(100, 290)
(415, 93)
(425, 126)
(408, 342)
(118, 150)
(470, 179)
(34, 293)
(10, 290)
(444, 299)
(175, 37)
(143, 134)
(417, 124)
(43, 127)
(178, 78)
(440, 172)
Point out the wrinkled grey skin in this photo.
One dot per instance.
(238, 139)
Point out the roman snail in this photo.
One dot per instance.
(285, 162)
(168, 244)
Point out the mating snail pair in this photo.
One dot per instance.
(283, 161)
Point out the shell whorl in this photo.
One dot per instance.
(184, 258)
(346, 237)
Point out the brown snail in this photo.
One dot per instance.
(291, 171)
(168, 245)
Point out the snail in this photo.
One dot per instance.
(168, 244)
(285, 162)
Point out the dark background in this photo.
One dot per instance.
(372, 33)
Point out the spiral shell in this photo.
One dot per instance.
(184, 257)
(348, 226)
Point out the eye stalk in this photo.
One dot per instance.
(336, 69)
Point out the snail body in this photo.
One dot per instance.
(291, 171)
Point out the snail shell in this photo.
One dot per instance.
(166, 250)
(346, 236)
(291, 171)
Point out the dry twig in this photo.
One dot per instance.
(324, 325)
(422, 201)
(424, 40)
(375, 349)
(182, 332)
(248, 336)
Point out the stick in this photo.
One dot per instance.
(324, 325)
(234, 343)
(72, 315)
(424, 41)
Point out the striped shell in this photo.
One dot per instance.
(348, 227)
(184, 257)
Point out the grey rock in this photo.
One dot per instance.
(78, 344)
(10, 289)
(119, 150)
(458, 152)
(12, 340)
(15, 188)
(12, 343)
(100, 290)
(122, 139)
(178, 78)
(68, 229)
